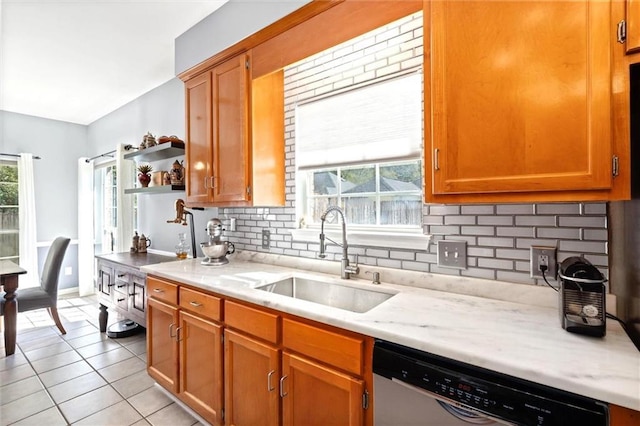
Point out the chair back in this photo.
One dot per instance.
(52, 265)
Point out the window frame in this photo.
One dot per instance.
(11, 163)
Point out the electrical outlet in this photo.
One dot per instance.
(266, 238)
(543, 256)
(452, 254)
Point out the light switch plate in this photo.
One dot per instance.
(452, 254)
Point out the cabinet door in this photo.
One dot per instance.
(519, 96)
(201, 366)
(230, 130)
(106, 280)
(314, 395)
(137, 295)
(198, 156)
(162, 346)
(633, 26)
(251, 368)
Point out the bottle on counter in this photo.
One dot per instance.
(182, 248)
(143, 243)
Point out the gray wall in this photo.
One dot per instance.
(161, 112)
(59, 144)
(226, 26)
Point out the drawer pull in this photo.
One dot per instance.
(121, 300)
(132, 294)
(269, 386)
(158, 290)
(121, 275)
(171, 333)
(121, 285)
(282, 392)
(195, 304)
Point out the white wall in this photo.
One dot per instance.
(226, 26)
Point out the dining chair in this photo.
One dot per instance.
(45, 296)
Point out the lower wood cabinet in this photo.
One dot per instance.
(251, 368)
(184, 346)
(316, 395)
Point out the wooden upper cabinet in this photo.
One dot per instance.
(235, 153)
(199, 145)
(230, 99)
(633, 26)
(518, 100)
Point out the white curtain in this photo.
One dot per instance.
(27, 221)
(85, 228)
(126, 172)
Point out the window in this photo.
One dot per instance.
(106, 207)
(361, 150)
(379, 194)
(9, 229)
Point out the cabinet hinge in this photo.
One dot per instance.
(365, 399)
(615, 166)
(248, 190)
(622, 31)
(246, 64)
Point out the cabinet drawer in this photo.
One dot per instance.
(258, 323)
(200, 303)
(162, 290)
(338, 350)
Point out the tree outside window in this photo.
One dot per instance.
(9, 224)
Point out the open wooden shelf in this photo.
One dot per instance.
(158, 152)
(162, 189)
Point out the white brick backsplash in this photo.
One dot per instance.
(498, 236)
(515, 209)
(515, 232)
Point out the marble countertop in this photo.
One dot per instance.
(510, 328)
(135, 260)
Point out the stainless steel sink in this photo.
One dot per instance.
(339, 296)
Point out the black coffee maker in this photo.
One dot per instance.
(582, 297)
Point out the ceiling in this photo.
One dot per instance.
(78, 60)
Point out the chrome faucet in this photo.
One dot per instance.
(346, 270)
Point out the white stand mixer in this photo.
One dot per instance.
(216, 250)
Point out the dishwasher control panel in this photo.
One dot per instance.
(491, 393)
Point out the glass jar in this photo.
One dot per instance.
(182, 248)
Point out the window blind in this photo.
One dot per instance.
(378, 122)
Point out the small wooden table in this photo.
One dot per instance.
(9, 272)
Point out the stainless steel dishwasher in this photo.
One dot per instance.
(415, 388)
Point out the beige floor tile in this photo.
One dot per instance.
(149, 401)
(97, 348)
(133, 384)
(136, 338)
(19, 389)
(55, 361)
(89, 403)
(80, 331)
(40, 343)
(35, 333)
(49, 417)
(75, 387)
(47, 351)
(11, 361)
(171, 415)
(25, 407)
(108, 358)
(142, 422)
(88, 339)
(118, 414)
(62, 374)
(72, 325)
(15, 374)
(122, 369)
(138, 348)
